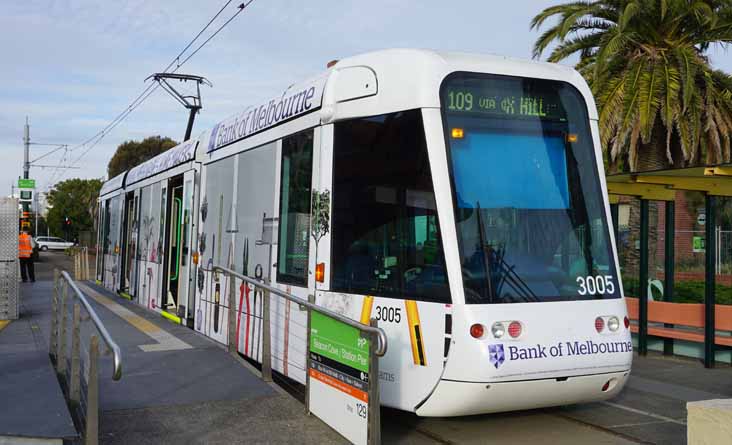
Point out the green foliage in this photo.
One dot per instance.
(132, 153)
(75, 199)
(645, 60)
(684, 291)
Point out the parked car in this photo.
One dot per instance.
(52, 243)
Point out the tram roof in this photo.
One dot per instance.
(180, 154)
(113, 184)
(383, 81)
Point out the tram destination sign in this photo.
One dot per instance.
(339, 377)
(503, 102)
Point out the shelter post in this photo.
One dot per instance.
(709, 283)
(668, 267)
(643, 281)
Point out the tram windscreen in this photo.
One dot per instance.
(531, 221)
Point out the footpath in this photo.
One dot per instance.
(177, 386)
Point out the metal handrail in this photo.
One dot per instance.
(111, 344)
(380, 334)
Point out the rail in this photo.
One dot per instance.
(78, 369)
(111, 344)
(319, 401)
(380, 334)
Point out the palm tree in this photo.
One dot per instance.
(661, 103)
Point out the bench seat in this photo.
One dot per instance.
(679, 334)
(682, 314)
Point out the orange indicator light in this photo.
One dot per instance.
(320, 272)
(571, 137)
(195, 258)
(457, 133)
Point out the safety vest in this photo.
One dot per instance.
(25, 249)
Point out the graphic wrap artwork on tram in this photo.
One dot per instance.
(232, 235)
(148, 258)
(112, 242)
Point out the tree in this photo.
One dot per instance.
(73, 200)
(132, 153)
(661, 103)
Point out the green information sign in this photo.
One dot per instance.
(338, 341)
(26, 183)
(698, 244)
(339, 377)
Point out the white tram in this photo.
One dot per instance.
(462, 203)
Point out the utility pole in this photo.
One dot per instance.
(26, 152)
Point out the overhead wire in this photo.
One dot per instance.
(151, 88)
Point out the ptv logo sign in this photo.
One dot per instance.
(496, 355)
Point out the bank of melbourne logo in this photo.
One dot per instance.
(212, 139)
(497, 357)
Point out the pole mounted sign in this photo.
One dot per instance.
(26, 183)
(339, 377)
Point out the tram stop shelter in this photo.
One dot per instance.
(678, 321)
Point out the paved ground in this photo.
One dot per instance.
(186, 389)
(194, 392)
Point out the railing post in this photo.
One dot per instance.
(53, 341)
(86, 263)
(266, 339)
(75, 384)
(61, 356)
(232, 315)
(374, 413)
(643, 298)
(91, 435)
(709, 282)
(311, 299)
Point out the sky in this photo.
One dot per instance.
(71, 66)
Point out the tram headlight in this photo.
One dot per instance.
(613, 323)
(498, 329)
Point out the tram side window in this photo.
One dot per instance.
(385, 235)
(294, 222)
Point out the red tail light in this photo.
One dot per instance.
(599, 324)
(606, 386)
(477, 330)
(626, 320)
(514, 329)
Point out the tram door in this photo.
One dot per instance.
(129, 243)
(174, 246)
(185, 281)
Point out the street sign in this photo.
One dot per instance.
(701, 219)
(698, 244)
(339, 377)
(26, 183)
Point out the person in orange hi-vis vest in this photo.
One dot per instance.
(25, 254)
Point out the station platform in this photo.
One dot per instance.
(178, 386)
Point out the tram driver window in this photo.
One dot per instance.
(294, 234)
(385, 235)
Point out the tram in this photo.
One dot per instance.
(458, 199)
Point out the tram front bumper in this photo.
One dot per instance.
(455, 398)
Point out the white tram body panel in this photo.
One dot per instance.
(399, 112)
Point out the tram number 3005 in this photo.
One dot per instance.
(389, 314)
(599, 285)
